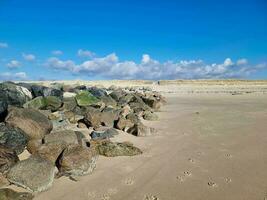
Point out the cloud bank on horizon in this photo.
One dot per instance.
(110, 67)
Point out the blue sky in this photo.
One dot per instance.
(133, 39)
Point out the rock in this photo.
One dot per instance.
(73, 117)
(35, 174)
(33, 145)
(69, 104)
(65, 136)
(39, 90)
(69, 94)
(44, 103)
(133, 118)
(108, 101)
(12, 138)
(150, 116)
(124, 124)
(97, 92)
(3, 110)
(100, 135)
(85, 98)
(13, 94)
(92, 117)
(108, 116)
(125, 110)
(38, 103)
(140, 129)
(77, 160)
(53, 103)
(50, 151)
(33, 123)
(3, 182)
(117, 94)
(9, 194)
(8, 158)
(153, 102)
(81, 125)
(111, 149)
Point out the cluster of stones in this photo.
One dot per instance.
(65, 128)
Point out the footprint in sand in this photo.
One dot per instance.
(212, 184)
(129, 181)
(191, 160)
(91, 195)
(150, 197)
(228, 155)
(183, 177)
(105, 197)
(187, 173)
(228, 180)
(112, 191)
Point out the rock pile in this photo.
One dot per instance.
(65, 128)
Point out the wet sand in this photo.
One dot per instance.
(208, 146)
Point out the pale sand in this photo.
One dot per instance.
(208, 147)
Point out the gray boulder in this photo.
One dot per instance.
(33, 123)
(8, 158)
(13, 138)
(111, 149)
(9, 194)
(77, 160)
(35, 174)
(13, 94)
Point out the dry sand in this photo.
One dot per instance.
(210, 145)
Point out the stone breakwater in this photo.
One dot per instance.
(65, 128)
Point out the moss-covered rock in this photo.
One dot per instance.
(85, 98)
(111, 149)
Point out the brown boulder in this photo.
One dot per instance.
(34, 124)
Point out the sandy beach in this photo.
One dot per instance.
(208, 146)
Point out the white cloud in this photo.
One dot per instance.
(57, 64)
(148, 68)
(85, 53)
(57, 52)
(7, 76)
(3, 45)
(28, 57)
(242, 61)
(13, 64)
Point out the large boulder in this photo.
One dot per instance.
(13, 94)
(108, 116)
(124, 124)
(85, 98)
(154, 102)
(50, 151)
(148, 115)
(35, 174)
(106, 134)
(117, 94)
(69, 104)
(67, 137)
(12, 138)
(77, 160)
(97, 92)
(38, 103)
(9, 194)
(39, 90)
(53, 103)
(8, 158)
(140, 129)
(3, 109)
(33, 123)
(44, 103)
(92, 117)
(110, 149)
(108, 101)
